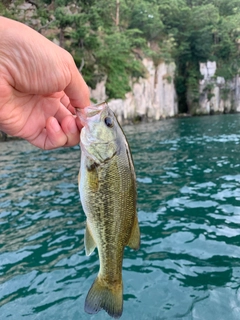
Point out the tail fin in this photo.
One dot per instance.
(101, 296)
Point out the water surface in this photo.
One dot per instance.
(188, 266)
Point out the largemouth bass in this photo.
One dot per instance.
(107, 186)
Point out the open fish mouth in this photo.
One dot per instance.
(90, 112)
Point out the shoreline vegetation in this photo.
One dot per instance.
(109, 39)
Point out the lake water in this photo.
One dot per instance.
(188, 265)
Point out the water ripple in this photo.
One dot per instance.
(188, 265)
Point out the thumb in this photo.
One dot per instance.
(77, 90)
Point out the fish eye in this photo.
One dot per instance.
(109, 122)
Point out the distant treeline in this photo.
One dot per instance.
(110, 37)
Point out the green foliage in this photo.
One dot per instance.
(3, 9)
(225, 93)
(204, 30)
(119, 65)
(108, 38)
(225, 71)
(63, 18)
(145, 17)
(209, 87)
(193, 83)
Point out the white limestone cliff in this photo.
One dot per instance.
(153, 97)
(216, 94)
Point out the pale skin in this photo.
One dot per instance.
(40, 87)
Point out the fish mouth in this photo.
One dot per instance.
(90, 112)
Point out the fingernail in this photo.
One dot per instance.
(55, 125)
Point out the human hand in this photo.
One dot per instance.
(39, 88)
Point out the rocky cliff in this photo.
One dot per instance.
(216, 94)
(153, 97)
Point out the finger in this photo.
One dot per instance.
(66, 102)
(71, 130)
(54, 135)
(59, 105)
(62, 112)
(50, 137)
(71, 109)
(79, 124)
(77, 90)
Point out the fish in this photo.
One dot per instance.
(107, 187)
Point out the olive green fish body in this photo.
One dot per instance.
(108, 194)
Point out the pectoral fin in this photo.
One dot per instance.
(134, 241)
(89, 242)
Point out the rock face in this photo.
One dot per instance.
(216, 94)
(153, 97)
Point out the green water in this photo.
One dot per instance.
(188, 266)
